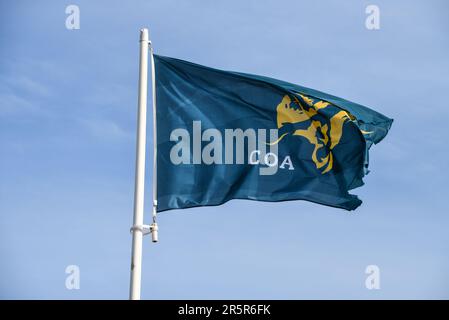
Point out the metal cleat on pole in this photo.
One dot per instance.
(148, 229)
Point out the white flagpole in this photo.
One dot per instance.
(154, 227)
(137, 229)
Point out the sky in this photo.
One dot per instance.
(68, 107)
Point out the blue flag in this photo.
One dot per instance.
(225, 135)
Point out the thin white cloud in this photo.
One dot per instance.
(12, 104)
(22, 93)
(106, 130)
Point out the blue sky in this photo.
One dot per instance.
(68, 101)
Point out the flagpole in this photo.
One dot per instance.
(154, 227)
(137, 229)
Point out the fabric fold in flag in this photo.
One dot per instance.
(225, 135)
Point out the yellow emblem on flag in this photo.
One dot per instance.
(323, 135)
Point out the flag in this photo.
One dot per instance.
(225, 135)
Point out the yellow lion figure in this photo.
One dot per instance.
(300, 115)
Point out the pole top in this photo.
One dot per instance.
(144, 34)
